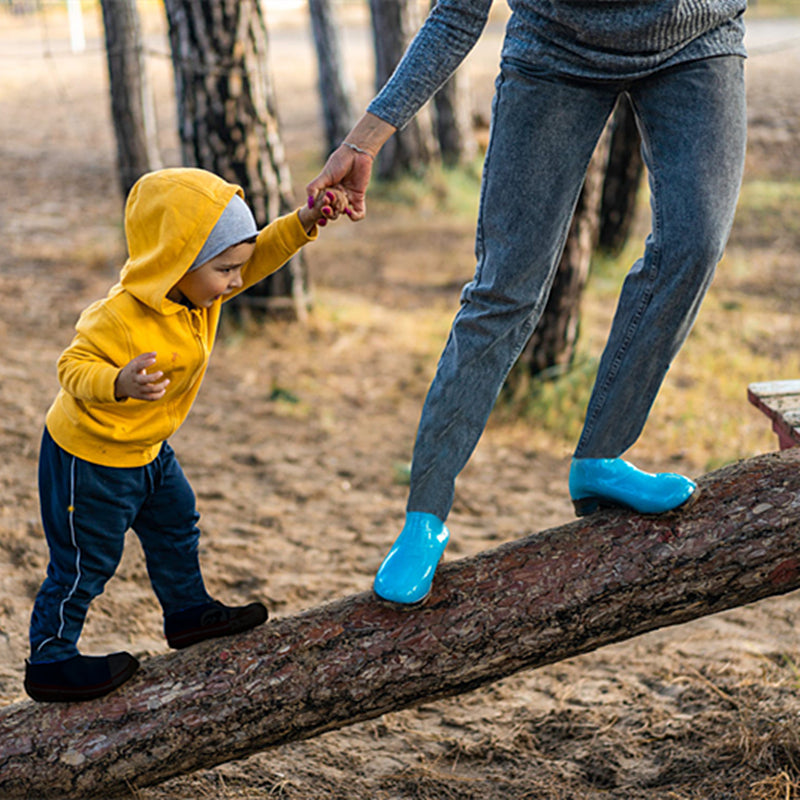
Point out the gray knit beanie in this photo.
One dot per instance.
(234, 227)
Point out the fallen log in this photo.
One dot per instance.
(530, 602)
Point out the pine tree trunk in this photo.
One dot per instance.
(228, 124)
(553, 343)
(534, 601)
(452, 119)
(335, 89)
(410, 150)
(132, 110)
(622, 180)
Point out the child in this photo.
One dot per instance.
(128, 381)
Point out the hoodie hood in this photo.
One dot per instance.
(168, 217)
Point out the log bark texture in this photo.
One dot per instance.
(534, 601)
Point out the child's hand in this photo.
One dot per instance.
(133, 380)
(325, 207)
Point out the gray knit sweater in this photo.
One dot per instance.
(603, 39)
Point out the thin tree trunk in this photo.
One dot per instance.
(410, 150)
(228, 123)
(132, 109)
(554, 340)
(540, 599)
(622, 179)
(335, 90)
(452, 119)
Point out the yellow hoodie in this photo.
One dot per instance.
(168, 217)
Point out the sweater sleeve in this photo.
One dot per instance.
(276, 244)
(88, 368)
(442, 43)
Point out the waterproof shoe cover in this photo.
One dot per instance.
(596, 483)
(210, 620)
(78, 678)
(406, 574)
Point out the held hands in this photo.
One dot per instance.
(134, 381)
(349, 166)
(323, 207)
(351, 170)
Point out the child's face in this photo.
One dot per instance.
(216, 278)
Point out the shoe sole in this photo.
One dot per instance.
(586, 506)
(201, 634)
(399, 605)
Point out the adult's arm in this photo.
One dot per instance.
(448, 34)
(350, 165)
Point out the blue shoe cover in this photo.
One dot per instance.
(608, 482)
(406, 574)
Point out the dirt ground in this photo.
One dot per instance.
(297, 446)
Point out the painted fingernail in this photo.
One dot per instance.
(322, 223)
(329, 196)
(327, 210)
(349, 212)
(311, 201)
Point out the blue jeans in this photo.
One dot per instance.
(86, 511)
(544, 130)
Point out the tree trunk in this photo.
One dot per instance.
(537, 600)
(228, 122)
(622, 179)
(452, 119)
(132, 110)
(554, 340)
(410, 150)
(335, 89)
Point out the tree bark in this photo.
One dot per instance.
(228, 124)
(554, 340)
(132, 109)
(410, 150)
(622, 179)
(335, 90)
(537, 600)
(452, 119)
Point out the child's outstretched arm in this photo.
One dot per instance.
(281, 239)
(133, 380)
(325, 207)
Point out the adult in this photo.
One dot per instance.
(564, 64)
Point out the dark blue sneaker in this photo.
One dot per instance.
(78, 678)
(210, 620)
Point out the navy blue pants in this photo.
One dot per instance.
(86, 511)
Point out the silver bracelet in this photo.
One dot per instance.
(358, 149)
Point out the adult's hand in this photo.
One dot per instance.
(350, 170)
(350, 165)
